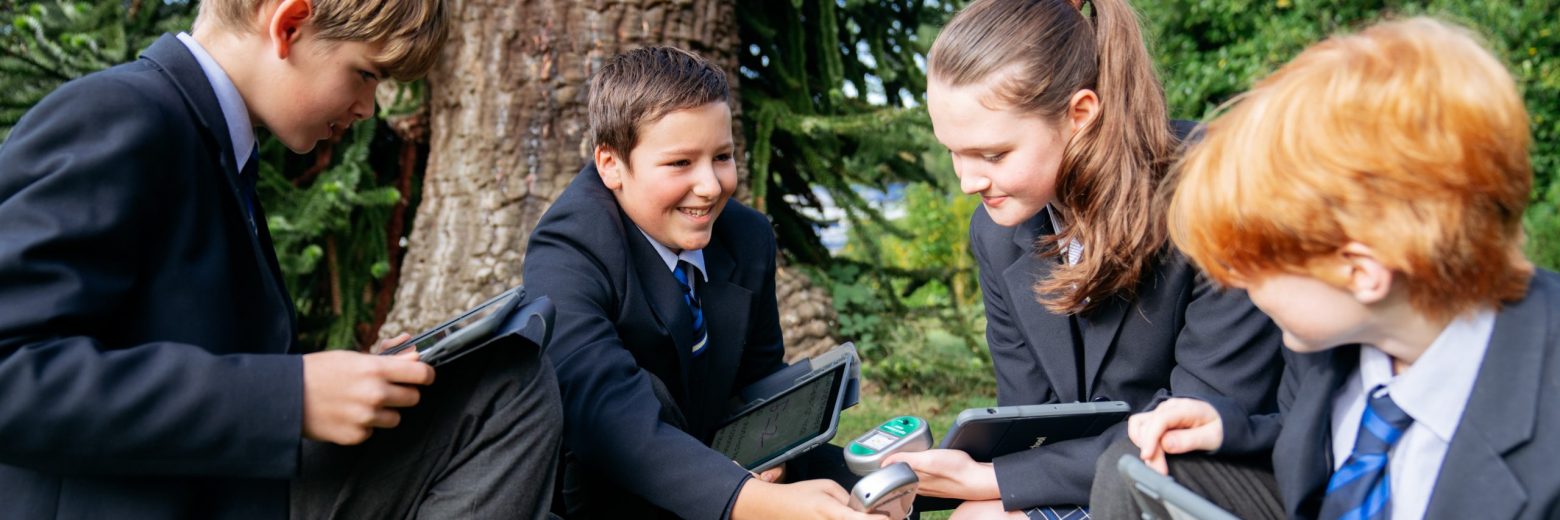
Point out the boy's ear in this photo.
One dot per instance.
(286, 24)
(1082, 109)
(1369, 280)
(610, 166)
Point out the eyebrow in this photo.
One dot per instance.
(726, 148)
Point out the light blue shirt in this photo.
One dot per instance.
(1434, 391)
(234, 111)
(694, 256)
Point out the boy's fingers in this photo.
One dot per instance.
(401, 396)
(386, 418)
(1192, 439)
(407, 370)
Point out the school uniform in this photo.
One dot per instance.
(143, 312)
(145, 327)
(642, 393)
(1178, 336)
(1484, 430)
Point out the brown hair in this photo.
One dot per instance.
(411, 32)
(1041, 52)
(1408, 137)
(642, 85)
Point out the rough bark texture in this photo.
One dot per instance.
(507, 114)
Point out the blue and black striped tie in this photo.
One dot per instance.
(685, 273)
(1360, 489)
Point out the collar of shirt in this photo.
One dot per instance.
(234, 111)
(1074, 249)
(1435, 389)
(695, 256)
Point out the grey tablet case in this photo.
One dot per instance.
(839, 365)
(987, 433)
(1161, 498)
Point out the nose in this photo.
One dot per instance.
(971, 179)
(363, 106)
(706, 183)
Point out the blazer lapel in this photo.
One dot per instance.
(727, 308)
(185, 73)
(1049, 335)
(1475, 481)
(1099, 337)
(665, 297)
(1304, 447)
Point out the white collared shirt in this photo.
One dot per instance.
(1434, 391)
(1074, 248)
(234, 111)
(694, 256)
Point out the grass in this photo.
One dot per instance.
(875, 408)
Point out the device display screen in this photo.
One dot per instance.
(780, 424)
(428, 339)
(878, 440)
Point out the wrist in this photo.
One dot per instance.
(753, 499)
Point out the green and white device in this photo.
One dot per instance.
(865, 454)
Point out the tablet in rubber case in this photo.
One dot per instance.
(988, 433)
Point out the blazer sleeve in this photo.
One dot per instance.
(612, 417)
(1247, 433)
(1225, 348)
(78, 181)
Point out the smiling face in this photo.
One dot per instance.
(677, 179)
(1010, 159)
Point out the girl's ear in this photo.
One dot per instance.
(1082, 109)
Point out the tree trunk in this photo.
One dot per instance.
(507, 112)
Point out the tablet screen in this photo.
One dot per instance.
(783, 423)
(428, 339)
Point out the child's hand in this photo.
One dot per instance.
(775, 474)
(348, 394)
(1177, 426)
(389, 342)
(806, 499)
(950, 473)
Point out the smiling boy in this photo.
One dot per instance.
(147, 343)
(665, 290)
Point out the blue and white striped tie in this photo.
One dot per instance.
(684, 273)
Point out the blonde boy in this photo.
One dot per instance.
(147, 353)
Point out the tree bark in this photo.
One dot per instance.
(507, 113)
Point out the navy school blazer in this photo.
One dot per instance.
(1501, 460)
(141, 320)
(622, 324)
(1179, 336)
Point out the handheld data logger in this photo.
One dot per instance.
(865, 454)
(889, 492)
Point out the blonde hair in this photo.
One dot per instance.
(1045, 51)
(411, 32)
(1408, 137)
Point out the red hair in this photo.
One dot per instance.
(1408, 137)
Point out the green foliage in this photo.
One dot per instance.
(1208, 51)
(831, 92)
(48, 42)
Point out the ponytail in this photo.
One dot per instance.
(1111, 168)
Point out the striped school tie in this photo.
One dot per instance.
(1360, 489)
(684, 273)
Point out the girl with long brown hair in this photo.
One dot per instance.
(1054, 117)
